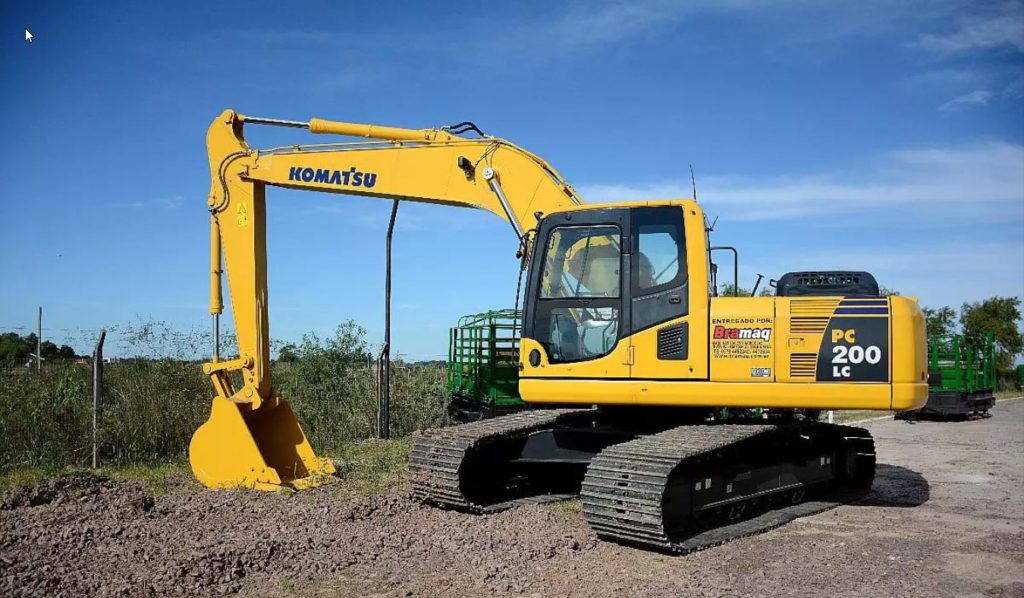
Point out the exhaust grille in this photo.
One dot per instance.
(820, 308)
(808, 325)
(802, 365)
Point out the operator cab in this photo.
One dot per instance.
(603, 274)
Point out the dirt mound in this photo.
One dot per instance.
(86, 534)
(924, 531)
(77, 488)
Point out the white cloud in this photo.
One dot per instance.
(978, 97)
(946, 77)
(1015, 88)
(613, 23)
(592, 24)
(1001, 26)
(170, 202)
(980, 180)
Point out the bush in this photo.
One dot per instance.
(331, 386)
(154, 401)
(45, 419)
(151, 407)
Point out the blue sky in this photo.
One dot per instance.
(886, 136)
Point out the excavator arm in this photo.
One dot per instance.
(430, 165)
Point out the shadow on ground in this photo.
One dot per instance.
(942, 419)
(896, 486)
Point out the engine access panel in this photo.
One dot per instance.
(800, 339)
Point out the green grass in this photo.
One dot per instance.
(365, 467)
(157, 478)
(853, 415)
(372, 466)
(26, 477)
(567, 509)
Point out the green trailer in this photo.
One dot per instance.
(1020, 377)
(483, 366)
(962, 377)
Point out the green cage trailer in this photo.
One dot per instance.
(961, 377)
(483, 366)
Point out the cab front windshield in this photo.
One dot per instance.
(578, 311)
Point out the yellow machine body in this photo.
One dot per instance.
(715, 352)
(779, 371)
(773, 352)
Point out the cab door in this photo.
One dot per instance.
(666, 325)
(576, 310)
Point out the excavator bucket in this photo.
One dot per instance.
(262, 449)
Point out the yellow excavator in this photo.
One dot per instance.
(628, 358)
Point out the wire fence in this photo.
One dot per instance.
(152, 404)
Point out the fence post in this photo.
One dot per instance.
(97, 390)
(39, 340)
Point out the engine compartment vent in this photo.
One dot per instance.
(827, 282)
(802, 365)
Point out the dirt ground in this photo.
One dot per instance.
(945, 518)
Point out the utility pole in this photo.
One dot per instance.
(384, 362)
(39, 340)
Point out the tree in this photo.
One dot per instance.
(330, 377)
(288, 354)
(14, 347)
(940, 321)
(886, 291)
(731, 290)
(999, 316)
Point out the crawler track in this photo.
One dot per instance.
(633, 491)
(439, 454)
(680, 490)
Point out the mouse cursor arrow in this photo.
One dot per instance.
(28, 36)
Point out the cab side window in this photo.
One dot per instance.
(659, 255)
(660, 260)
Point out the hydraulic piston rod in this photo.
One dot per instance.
(216, 298)
(332, 127)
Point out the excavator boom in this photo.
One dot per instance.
(429, 165)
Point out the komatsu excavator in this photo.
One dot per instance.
(626, 352)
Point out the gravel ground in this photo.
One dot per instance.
(945, 518)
